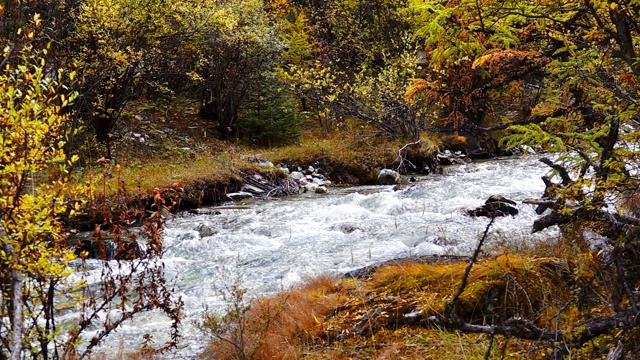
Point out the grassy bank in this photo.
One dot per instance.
(389, 313)
(151, 151)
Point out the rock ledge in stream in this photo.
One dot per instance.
(366, 271)
(496, 205)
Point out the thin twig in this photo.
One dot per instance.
(463, 284)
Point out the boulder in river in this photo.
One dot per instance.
(388, 177)
(496, 205)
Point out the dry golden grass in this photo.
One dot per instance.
(278, 327)
(364, 319)
(344, 148)
(352, 156)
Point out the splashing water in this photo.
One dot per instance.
(270, 245)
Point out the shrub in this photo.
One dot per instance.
(270, 118)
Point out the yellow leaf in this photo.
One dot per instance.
(481, 60)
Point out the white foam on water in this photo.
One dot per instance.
(275, 244)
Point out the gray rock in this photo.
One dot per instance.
(297, 175)
(310, 169)
(388, 177)
(239, 195)
(526, 149)
(264, 162)
(311, 187)
(499, 198)
(595, 240)
(447, 158)
(496, 205)
(284, 170)
(205, 230)
(320, 190)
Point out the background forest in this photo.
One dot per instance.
(479, 76)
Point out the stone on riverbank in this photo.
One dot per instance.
(388, 177)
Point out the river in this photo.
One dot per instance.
(266, 246)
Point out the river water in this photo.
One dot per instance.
(267, 246)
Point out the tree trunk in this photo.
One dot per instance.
(16, 318)
(15, 308)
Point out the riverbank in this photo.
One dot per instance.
(156, 154)
(382, 314)
(266, 247)
(395, 312)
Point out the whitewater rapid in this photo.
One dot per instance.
(266, 246)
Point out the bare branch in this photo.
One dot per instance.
(449, 308)
(564, 175)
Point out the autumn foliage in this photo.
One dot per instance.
(552, 75)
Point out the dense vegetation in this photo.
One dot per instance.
(483, 76)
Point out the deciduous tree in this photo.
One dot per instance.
(35, 255)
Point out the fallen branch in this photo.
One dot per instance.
(617, 221)
(516, 327)
(525, 329)
(401, 158)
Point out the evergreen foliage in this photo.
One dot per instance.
(270, 117)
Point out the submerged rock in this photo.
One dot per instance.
(205, 230)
